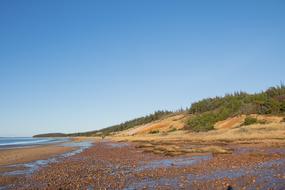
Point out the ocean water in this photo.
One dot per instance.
(16, 142)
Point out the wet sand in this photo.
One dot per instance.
(110, 165)
(22, 155)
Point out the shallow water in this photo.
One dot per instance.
(176, 162)
(245, 150)
(263, 171)
(18, 142)
(153, 184)
(266, 174)
(31, 167)
(117, 145)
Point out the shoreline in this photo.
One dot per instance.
(121, 165)
(139, 165)
(21, 159)
(23, 155)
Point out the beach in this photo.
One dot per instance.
(128, 165)
(22, 155)
(25, 160)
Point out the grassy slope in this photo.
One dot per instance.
(209, 111)
(202, 115)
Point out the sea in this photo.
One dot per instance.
(18, 142)
(30, 167)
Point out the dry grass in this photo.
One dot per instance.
(163, 126)
(257, 132)
(176, 148)
(230, 122)
(238, 120)
(227, 132)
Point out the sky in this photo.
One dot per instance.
(70, 66)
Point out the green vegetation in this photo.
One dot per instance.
(250, 120)
(135, 122)
(123, 126)
(203, 122)
(172, 129)
(126, 125)
(50, 135)
(86, 134)
(207, 112)
(211, 110)
(154, 132)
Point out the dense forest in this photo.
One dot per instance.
(211, 110)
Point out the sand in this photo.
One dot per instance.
(23, 155)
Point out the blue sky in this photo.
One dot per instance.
(69, 66)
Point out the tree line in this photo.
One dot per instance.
(211, 110)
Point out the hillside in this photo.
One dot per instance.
(116, 128)
(165, 125)
(230, 111)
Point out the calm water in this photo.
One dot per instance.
(29, 168)
(15, 142)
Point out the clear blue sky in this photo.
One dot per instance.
(69, 66)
